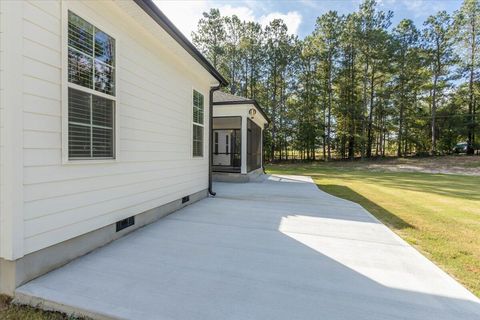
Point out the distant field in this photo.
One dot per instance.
(464, 165)
(437, 213)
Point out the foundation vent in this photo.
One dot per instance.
(125, 223)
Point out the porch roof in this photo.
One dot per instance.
(222, 98)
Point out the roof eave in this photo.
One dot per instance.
(154, 12)
(250, 101)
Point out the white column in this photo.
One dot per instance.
(244, 145)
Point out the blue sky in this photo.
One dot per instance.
(300, 15)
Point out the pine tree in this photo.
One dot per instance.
(327, 38)
(468, 36)
(438, 37)
(211, 35)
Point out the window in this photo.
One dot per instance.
(91, 91)
(216, 142)
(198, 125)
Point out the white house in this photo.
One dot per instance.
(104, 127)
(238, 125)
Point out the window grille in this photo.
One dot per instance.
(198, 124)
(91, 91)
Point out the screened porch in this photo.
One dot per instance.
(227, 145)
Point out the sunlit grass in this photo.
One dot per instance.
(438, 214)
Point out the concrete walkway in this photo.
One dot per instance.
(276, 249)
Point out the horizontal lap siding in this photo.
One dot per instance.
(2, 81)
(154, 105)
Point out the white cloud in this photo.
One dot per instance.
(414, 5)
(243, 13)
(386, 2)
(185, 14)
(424, 8)
(292, 19)
(310, 3)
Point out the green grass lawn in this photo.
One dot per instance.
(439, 214)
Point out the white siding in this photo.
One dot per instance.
(155, 164)
(2, 81)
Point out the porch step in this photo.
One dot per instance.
(252, 176)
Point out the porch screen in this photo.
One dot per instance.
(254, 146)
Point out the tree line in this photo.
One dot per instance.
(357, 86)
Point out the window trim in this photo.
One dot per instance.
(80, 10)
(192, 123)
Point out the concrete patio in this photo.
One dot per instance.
(276, 249)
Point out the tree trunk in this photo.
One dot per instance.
(365, 80)
(351, 142)
(274, 107)
(370, 115)
(471, 124)
(405, 144)
(474, 120)
(438, 68)
(329, 112)
(324, 148)
(400, 131)
(433, 149)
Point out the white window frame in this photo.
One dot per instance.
(196, 123)
(93, 18)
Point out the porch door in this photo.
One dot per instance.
(236, 145)
(227, 150)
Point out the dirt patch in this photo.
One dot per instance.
(4, 302)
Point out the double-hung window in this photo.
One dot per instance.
(91, 91)
(198, 125)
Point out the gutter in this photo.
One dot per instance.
(210, 138)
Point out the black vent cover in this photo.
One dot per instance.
(185, 199)
(125, 223)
